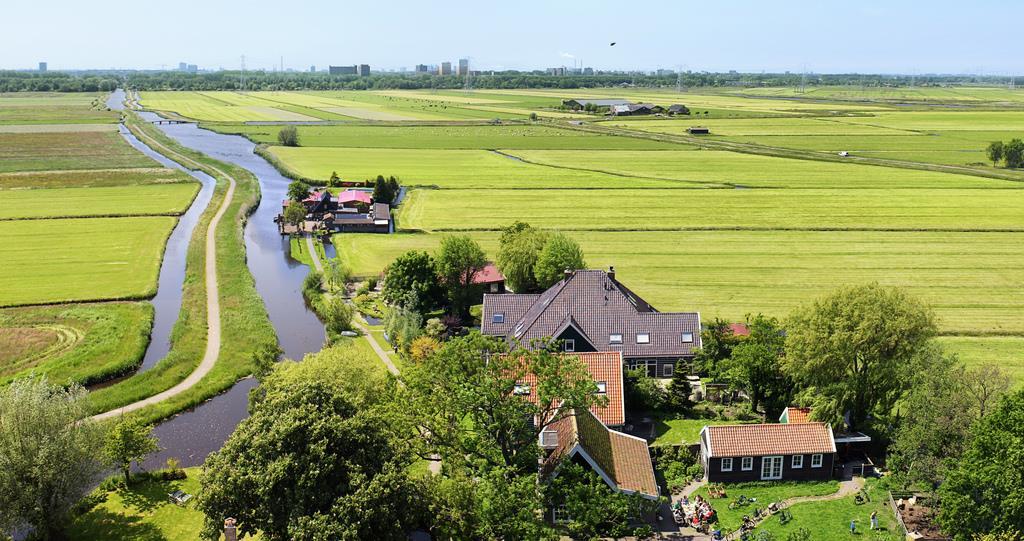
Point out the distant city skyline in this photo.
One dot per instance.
(913, 37)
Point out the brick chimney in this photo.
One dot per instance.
(611, 272)
(567, 273)
(230, 533)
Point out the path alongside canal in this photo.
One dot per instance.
(212, 352)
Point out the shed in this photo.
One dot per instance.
(698, 130)
(767, 452)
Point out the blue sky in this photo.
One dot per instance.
(909, 36)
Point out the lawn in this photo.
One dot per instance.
(68, 150)
(729, 520)
(55, 108)
(480, 137)
(142, 513)
(1006, 352)
(482, 169)
(51, 261)
(666, 209)
(144, 200)
(970, 279)
(84, 343)
(683, 431)
(830, 520)
(92, 178)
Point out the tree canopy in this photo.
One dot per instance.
(559, 253)
(298, 191)
(851, 350)
(755, 364)
(458, 260)
(411, 280)
(128, 441)
(48, 459)
(518, 251)
(288, 136)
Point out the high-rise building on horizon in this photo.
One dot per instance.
(182, 66)
(463, 67)
(445, 68)
(364, 70)
(422, 68)
(42, 67)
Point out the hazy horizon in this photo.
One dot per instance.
(915, 37)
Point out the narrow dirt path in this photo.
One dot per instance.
(315, 256)
(212, 292)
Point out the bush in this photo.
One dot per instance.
(173, 471)
(288, 136)
(434, 328)
(643, 391)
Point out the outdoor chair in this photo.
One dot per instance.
(179, 497)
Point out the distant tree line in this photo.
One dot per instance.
(1010, 153)
(91, 81)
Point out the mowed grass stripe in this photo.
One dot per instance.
(654, 209)
(50, 261)
(68, 150)
(144, 200)
(971, 279)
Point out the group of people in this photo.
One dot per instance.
(697, 513)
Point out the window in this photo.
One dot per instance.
(643, 338)
(798, 461)
(498, 318)
(615, 338)
(602, 387)
(726, 464)
(747, 463)
(815, 461)
(666, 370)
(771, 468)
(568, 345)
(687, 337)
(559, 515)
(521, 389)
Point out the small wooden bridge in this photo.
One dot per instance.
(171, 121)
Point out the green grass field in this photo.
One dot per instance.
(89, 178)
(68, 150)
(51, 261)
(830, 520)
(764, 493)
(84, 343)
(683, 431)
(1007, 352)
(55, 108)
(144, 200)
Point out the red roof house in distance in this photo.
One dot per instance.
(739, 329)
(490, 278)
(794, 416)
(354, 199)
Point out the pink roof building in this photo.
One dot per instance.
(354, 196)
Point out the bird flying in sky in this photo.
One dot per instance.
(612, 44)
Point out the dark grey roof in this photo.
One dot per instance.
(597, 305)
(601, 103)
(381, 211)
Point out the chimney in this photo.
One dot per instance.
(567, 273)
(229, 530)
(611, 272)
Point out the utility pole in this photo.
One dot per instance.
(241, 80)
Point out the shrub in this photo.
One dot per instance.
(434, 328)
(423, 347)
(288, 136)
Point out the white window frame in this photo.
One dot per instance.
(797, 462)
(747, 463)
(615, 338)
(820, 459)
(667, 370)
(687, 337)
(646, 338)
(498, 317)
(602, 387)
(729, 463)
(521, 389)
(559, 515)
(569, 345)
(769, 463)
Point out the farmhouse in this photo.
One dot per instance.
(767, 452)
(698, 130)
(621, 460)
(677, 109)
(589, 310)
(578, 104)
(490, 279)
(635, 109)
(352, 211)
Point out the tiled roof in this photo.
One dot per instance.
(354, 195)
(739, 329)
(381, 211)
(510, 306)
(624, 460)
(769, 439)
(606, 367)
(317, 196)
(798, 415)
(489, 274)
(599, 306)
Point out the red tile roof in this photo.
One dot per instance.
(797, 415)
(739, 329)
(624, 461)
(603, 366)
(768, 439)
(316, 196)
(488, 275)
(349, 196)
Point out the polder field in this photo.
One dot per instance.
(84, 219)
(760, 216)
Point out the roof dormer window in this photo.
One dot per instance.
(643, 338)
(615, 338)
(688, 337)
(499, 317)
(521, 389)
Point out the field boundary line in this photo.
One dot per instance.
(213, 339)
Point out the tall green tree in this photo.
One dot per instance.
(295, 214)
(995, 152)
(298, 191)
(983, 492)
(411, 280)
(716, 344)
(679, 390)
(1013, 153)
(382, 192)
(756, 366)
(49, 457)
(316, 459)
(851, 350)
(559, 253)
(288, 136)
(459, 258)
(128, 441)
(463, 399)
(518, 250)
(595, 511)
